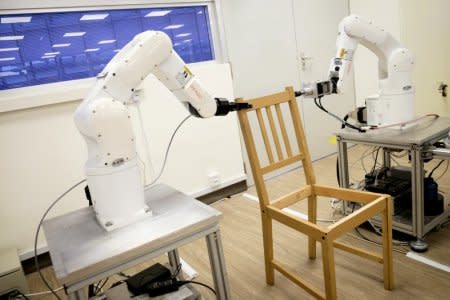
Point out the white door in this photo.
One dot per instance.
(316, 26)
(265, 40)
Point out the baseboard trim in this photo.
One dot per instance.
(224, 192)
(29, 266)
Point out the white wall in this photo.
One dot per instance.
(425, 30)
(42, 154)
(386, 14)
(261, 46)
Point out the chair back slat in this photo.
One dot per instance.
(283, 130)
(262, 127)
(276, 140)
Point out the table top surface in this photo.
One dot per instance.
(78, 244)
(424, 131)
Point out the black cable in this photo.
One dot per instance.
(345, 119)
(36, 237)
(124, 275)
(343, 122)
(17, 293)
(96, 287)
(435, 168)
(177, 271)
(375, 163)
(366, 238)
(100, 287)
(337, 172)
(199, 283)
(117, 283)
(167, 151)
(24, 296)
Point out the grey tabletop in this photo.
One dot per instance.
(78, 245)
(424, 131)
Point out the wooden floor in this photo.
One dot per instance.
(357, 278)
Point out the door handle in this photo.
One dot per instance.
(443, 89)
(304, 59)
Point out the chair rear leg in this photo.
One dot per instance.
(268, 248)
(312, 217)
(329, 274)
(388, 269)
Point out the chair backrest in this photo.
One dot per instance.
(282, 158)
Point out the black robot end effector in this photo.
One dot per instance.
(298, 93)
(224, 106)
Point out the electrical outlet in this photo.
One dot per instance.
(214, 179)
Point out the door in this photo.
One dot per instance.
(316, 27)
(265, 40)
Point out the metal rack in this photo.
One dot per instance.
(417, 140)
(82, 252)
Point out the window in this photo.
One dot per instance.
(50, 47)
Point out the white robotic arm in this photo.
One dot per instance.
(395, 102)
(104, 121)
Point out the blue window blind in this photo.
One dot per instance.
(51, 47)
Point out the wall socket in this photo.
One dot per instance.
(214, 179)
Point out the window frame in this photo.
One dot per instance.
(75, 90)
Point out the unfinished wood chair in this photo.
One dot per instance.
(373, 203)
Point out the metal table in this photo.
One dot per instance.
(82, 252)
(415, 139)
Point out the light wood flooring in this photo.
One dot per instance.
(357, 278)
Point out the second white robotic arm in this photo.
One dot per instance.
(395, 102)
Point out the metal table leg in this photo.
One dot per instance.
(386, 158)
(218, 268)
(175, 264)
(77, 295)
(417, 174)
(343, 168)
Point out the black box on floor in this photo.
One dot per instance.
(138, 282)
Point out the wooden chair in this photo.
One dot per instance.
(373, 203)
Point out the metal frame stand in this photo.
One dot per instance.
(78, 261)
(417, 176)
(216, 259)
(417, 141)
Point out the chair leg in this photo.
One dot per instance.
(268, 248)
(388, 269)
(329, 274)
(312, 217)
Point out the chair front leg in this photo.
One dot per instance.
(329, 273)
(268, 248)
(388, 269)
(312, 217)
